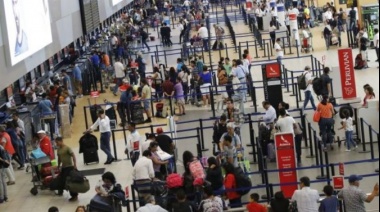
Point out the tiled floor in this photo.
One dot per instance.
(21, 200)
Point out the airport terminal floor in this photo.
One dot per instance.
(20, 199)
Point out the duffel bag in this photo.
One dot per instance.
(76, 176)
(77, 187)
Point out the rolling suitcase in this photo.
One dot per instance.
(90, 156)
(110, 111)
(137, 113)
(271, 152)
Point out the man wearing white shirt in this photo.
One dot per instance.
(279, 50)
(285, 123)
(133, 143)
(203, 33)
(376, 43)
(328, 16)
(270, 113)
(119, 74)
(294, 10)
(186, 4)
(142, 174)
(105, 134)
(145, 145)
(309, 82)
(306, 198)
(246, 63)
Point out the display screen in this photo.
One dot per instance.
(115, 2)
(28, 27)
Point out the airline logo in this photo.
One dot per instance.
(273, 70)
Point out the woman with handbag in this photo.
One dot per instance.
(326, 121)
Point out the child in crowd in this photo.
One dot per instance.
(348, 126)
(330, 203)
(254, 206)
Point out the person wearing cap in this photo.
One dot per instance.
(306, 198)
(45, 144)
(354, 197)
(105, 134)
(119, 74)
(309, 82)
(6, 143)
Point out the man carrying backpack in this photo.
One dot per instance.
(220, 127)
(309, 86)
(322, 85)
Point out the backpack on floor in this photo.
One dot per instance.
(242, 181)
(318, 86)
(301, 80)
(359, 62)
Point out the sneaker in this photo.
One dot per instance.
(11, 183)
(148, 120)
(73, 199)
(348, 150)
(355, 147)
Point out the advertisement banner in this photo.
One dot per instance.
(347, 74)
(285, 152)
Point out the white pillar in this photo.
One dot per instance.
(294, 27)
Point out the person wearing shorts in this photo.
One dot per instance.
(146, 96)
(180, 99)
(205, 90)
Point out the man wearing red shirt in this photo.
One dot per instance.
(6, 142)
(45, 144)
(254, 206)
(168, 90)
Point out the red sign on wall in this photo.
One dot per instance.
(273, 70)
(347, 74)
(285, 151)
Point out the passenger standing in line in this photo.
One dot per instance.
(143, 173)
(105, 134)
(6, 143)
(309, 82)
(354, 198)
(306, 198)
(4, 164)
(330, 203)
(119, 75)
(203, 33)
(134, 143)
(230, 183)
(279, 50)
(347, 125)
(77, 75)
(326, 122)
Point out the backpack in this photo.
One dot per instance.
(359, 62)
(174, 180)
(301, 80)
(242, 181)
(318, 86)
(196, 169)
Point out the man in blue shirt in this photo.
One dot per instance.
(67, 82)
(45, 107)
(77, 75)
(95, 59)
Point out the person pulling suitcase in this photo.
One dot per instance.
(105, 134)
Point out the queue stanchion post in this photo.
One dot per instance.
(328, 176)
(125, 141)
(252, 140)
(253, 97)
(114, 146)
(314, 141)
(332, 169)
(256, 52)
(286, 80)
(304, 134)
(297, 99)
(85, 116)
(293, 89)
(165, 59)
(378, 148)
(268, 48)
(199, 148)
(212, 102)
(171, 106)
(371, 142)
(283, 44)
(226, 48)
(363, 136)
(322, 175)
(202, 136)
(264, 48)
(235, 15)
(134, 200)
(289, 43)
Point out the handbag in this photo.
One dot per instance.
(317, 116)
(38, 153)
(78, 187)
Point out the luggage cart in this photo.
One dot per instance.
(307, 43)
(38, 181)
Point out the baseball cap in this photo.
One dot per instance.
(41, 132)
(354, 178)
(159, 130)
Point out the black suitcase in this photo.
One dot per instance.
(88, 145)
(137, 113)
(90, 156)
(103, 204)
(111, 113)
